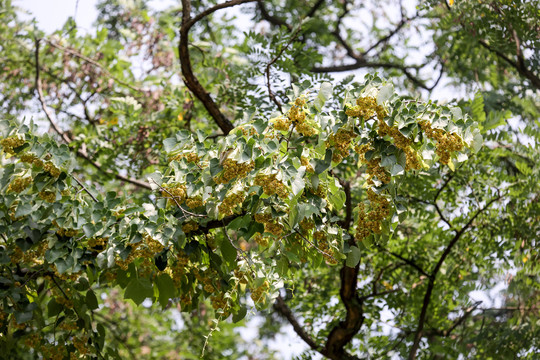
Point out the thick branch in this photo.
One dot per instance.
(284, 311)
(190, 80)
(344, 332)
(433, 276)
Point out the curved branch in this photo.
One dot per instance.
(190, 79)
(431, 284)
(286, 312)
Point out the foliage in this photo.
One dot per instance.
(158, 214)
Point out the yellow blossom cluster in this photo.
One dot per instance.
(297, 115)
(258, 294)
(190, 157)
(176, 193)
(51, 169)
(179, 268)
(145, 250)
(190, 227)
(305, 162)
(47, 195)
(53, 352)
(341, 141)
(194, 202)
(11, 143)
(271, 185)
(30, 158)
(233, 169)
(80, 344)
(323, 245)
(98, 244)
(365, 108)
(401, 142)
(374, 169)
(19, 184)
(231, 202)
(371, 221)
(282, 123)
(260, 239)
(270, 225)
(446, 143)
(361, 151)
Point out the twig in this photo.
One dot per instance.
(65, 137)
(84, 188)
(95, 63)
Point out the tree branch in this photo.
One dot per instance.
(344, 332)
(190, 79)
(281, 307)
(433, 276)
(66, 138)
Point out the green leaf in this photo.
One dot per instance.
(138, 290)
(228, 251)
(238, 316)
(91, 300)
(166, 289)
(353, 257)
(385, 93)
(322, 165)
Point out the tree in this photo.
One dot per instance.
(191, 171)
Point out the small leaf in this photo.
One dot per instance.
(166, 289)
(353, 257)
(91, 300)
(385, 93)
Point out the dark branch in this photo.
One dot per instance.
(190, 80)
(433, 276)
(284, 311)
(274, 20)
(343, 333)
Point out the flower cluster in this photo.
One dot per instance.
(145, 250)
(260, 239)
(305, 162)
(271, 185)
(97, 244)
(297, 115)
(365, 108)
(30, 158)
(190, 227)
(271, 226)
(281, 123)
(233, 169)
(361, 151)
(176, 193)
(11, 143)
(231, 202)
(51, 169)
(190, 157)
(19, 184)
(47, 195)
(374, 169)
(258, 294)
(446, 143)
(371, 221)
(323, 245)
(194, 202)
(401, 142)
(341, 141)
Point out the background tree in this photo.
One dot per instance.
(206, 173)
